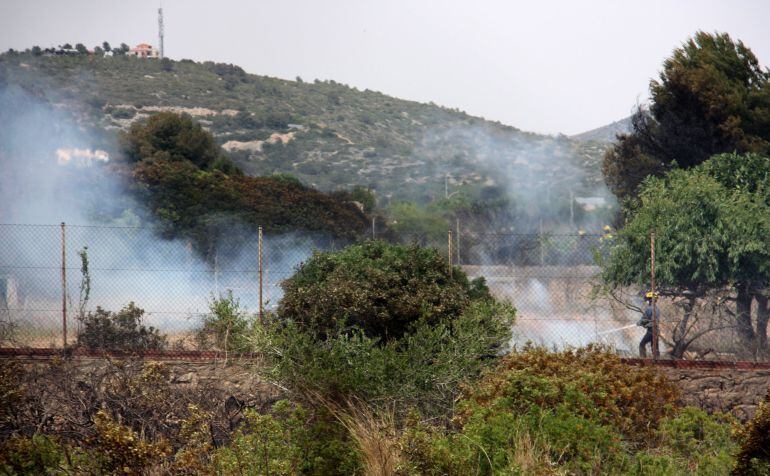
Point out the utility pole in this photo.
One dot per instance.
(160, 32)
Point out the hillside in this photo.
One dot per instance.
(327, 134)
(606, 133)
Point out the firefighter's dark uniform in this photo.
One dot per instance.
(646, 322)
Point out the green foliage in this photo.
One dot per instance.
(712, 97)
(226, 326)
(358, 194)
(379, 288)
(113, 449)
(590, 382)
(122, 330)
(742, 173)
(572, 412)
(206, 205)
(402, 153)
(38, 454)
(753, 456)
(287, 441)
(696, 440)
(418, 223)
(721, 239)
(171, 137)
(117, 448)
(423, 368)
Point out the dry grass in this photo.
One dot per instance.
(374, 434)
(531, 456)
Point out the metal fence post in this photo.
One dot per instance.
(64, 285)
(655, 331)
(259, 257)
(457, 231)
(542, 247)
(449, 250)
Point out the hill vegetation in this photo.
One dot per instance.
(326, 134)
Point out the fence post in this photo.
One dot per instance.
(542, 247)
(449, 250)
(457, 231)
(655, 331)
(373, 229)
(259, 233)
(64, 285)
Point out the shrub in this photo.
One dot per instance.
(571, 412)
(117, 449)
(754, 438)
(122, 330)
(172, 137)
(691, 439)
(423, 369)
(384, 290)
(591, 382)
(35, 455)
(226, 326)
(289, 439)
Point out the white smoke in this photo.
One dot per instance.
(57, 169)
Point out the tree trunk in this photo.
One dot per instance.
(743, 315)
(679, 335)
(762, 318)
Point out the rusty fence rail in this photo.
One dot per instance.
(59, 282)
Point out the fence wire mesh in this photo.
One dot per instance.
(553, 281)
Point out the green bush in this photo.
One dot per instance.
(226, 326)
(172, 137)
(382, 289)
(122, 330)
(423, 369)
(288, 440)
(754, 438)
(38, 454)
(572, 412)
(591, 382)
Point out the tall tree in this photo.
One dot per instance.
(713, 232)
(712, 96)
(171, 137)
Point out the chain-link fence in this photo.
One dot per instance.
(59, 282)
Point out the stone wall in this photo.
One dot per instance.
(720, 388)
(727, 390)
(235, 377)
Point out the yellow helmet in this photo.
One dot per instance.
(651, 295)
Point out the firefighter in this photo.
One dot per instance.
(648, 323)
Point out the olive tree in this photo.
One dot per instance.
(711, 234)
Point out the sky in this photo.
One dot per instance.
(542, 66)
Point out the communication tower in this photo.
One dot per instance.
(160, 31)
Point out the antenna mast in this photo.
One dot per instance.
(160, 31)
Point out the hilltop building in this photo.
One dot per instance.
(143, 50)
